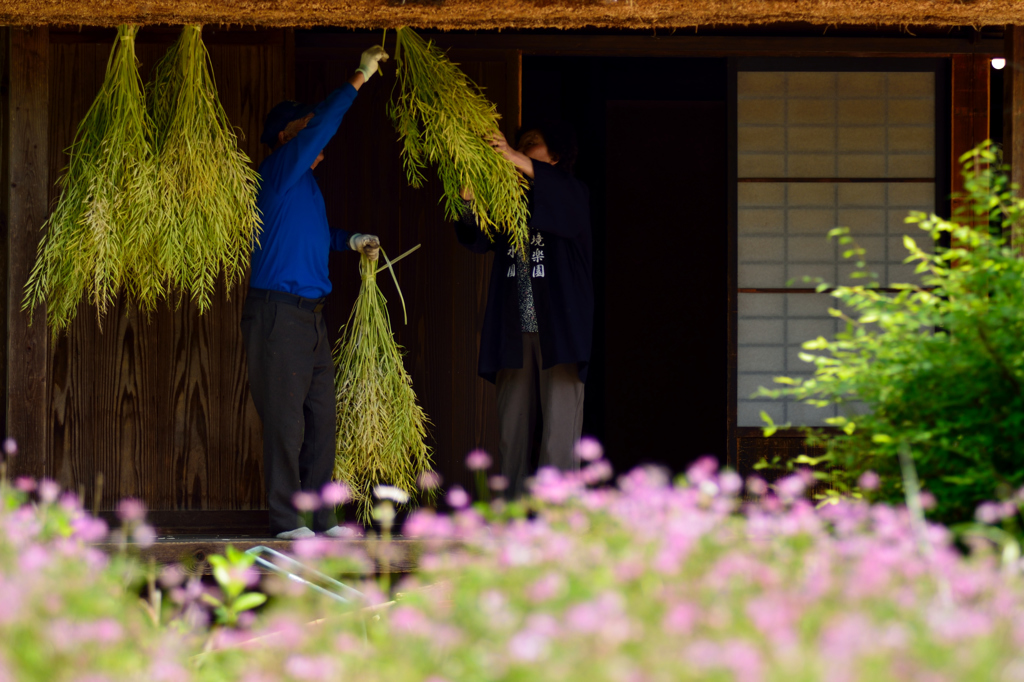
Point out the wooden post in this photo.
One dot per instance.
(970, 123)
(25, 130)
(1013, 112)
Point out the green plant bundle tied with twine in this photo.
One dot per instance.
(208, 187)
(97, 237)
(382, 429)
(442, 118)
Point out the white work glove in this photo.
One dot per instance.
(369, 60)
(366, 244)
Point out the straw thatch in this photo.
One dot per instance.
(520, 14)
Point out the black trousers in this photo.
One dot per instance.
(558, 392)
(291, 377)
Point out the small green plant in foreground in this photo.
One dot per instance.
(940, 366)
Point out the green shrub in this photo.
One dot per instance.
(940, 366)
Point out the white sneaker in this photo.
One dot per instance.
(297, 534)
(339, 532)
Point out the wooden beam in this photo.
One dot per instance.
(679, 45)
(970, 115)
(26, 167)
(1013, 111)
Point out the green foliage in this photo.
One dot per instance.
(940, 366)
(382, 430)
(207, 184)
(233, 573)
(443, 119)
(97, 236)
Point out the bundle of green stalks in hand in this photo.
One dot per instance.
(442, 118)
(382, 429)
(206, 182)
(97, 237)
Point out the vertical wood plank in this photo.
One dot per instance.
(27, 175)
(970, 118)
(1013, 113)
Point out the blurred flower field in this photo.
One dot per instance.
(705, 578)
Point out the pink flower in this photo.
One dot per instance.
(429, 480)
(928, 500)
(49, 491)
(756, 486)
(988, 512)
(547, 588)
(131, 509)
(334, 494)
(88, 529)
(10, 447)
(457, 497)
(478, 460)
(313, 668)
(306, 501)
(869, 480)
(701, 470)
(589, 449)
(680, 619)
(497, 483)
(172, 576)
(730, 482)
(596, 472)
(790, 487)
(144, 535)
(25, 484)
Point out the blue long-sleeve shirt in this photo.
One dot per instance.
(296, 240)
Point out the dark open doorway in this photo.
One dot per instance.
(653, 152)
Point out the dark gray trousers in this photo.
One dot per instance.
(291, 377)
(559, 393)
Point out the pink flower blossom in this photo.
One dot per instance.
(131, 510)
(25, 484)
(497, 483)
(10, 447)
(757, 486)
(702, 469)
(589, 449)
(144, 536)
(88, 529)
(478, 460)
(428, 480)
(598, 471)
(869, 480)
(49, 490)
(306, 501)
(457, 497)
(335, 494)
(313, 668)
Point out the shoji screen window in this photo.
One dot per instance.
(817, 150)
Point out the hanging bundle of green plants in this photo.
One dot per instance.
(207, 184)
(97, 236)
(382, 429)
(443, 119)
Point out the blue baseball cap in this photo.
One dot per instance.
(279, 118)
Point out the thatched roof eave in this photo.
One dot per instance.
(511, 14)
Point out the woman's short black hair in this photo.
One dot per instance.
(560, 138)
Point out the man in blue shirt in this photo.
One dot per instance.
(291, 372)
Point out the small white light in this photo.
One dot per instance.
(998, 63)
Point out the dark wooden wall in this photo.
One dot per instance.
(445, 286)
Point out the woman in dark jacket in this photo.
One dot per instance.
(536, 338)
